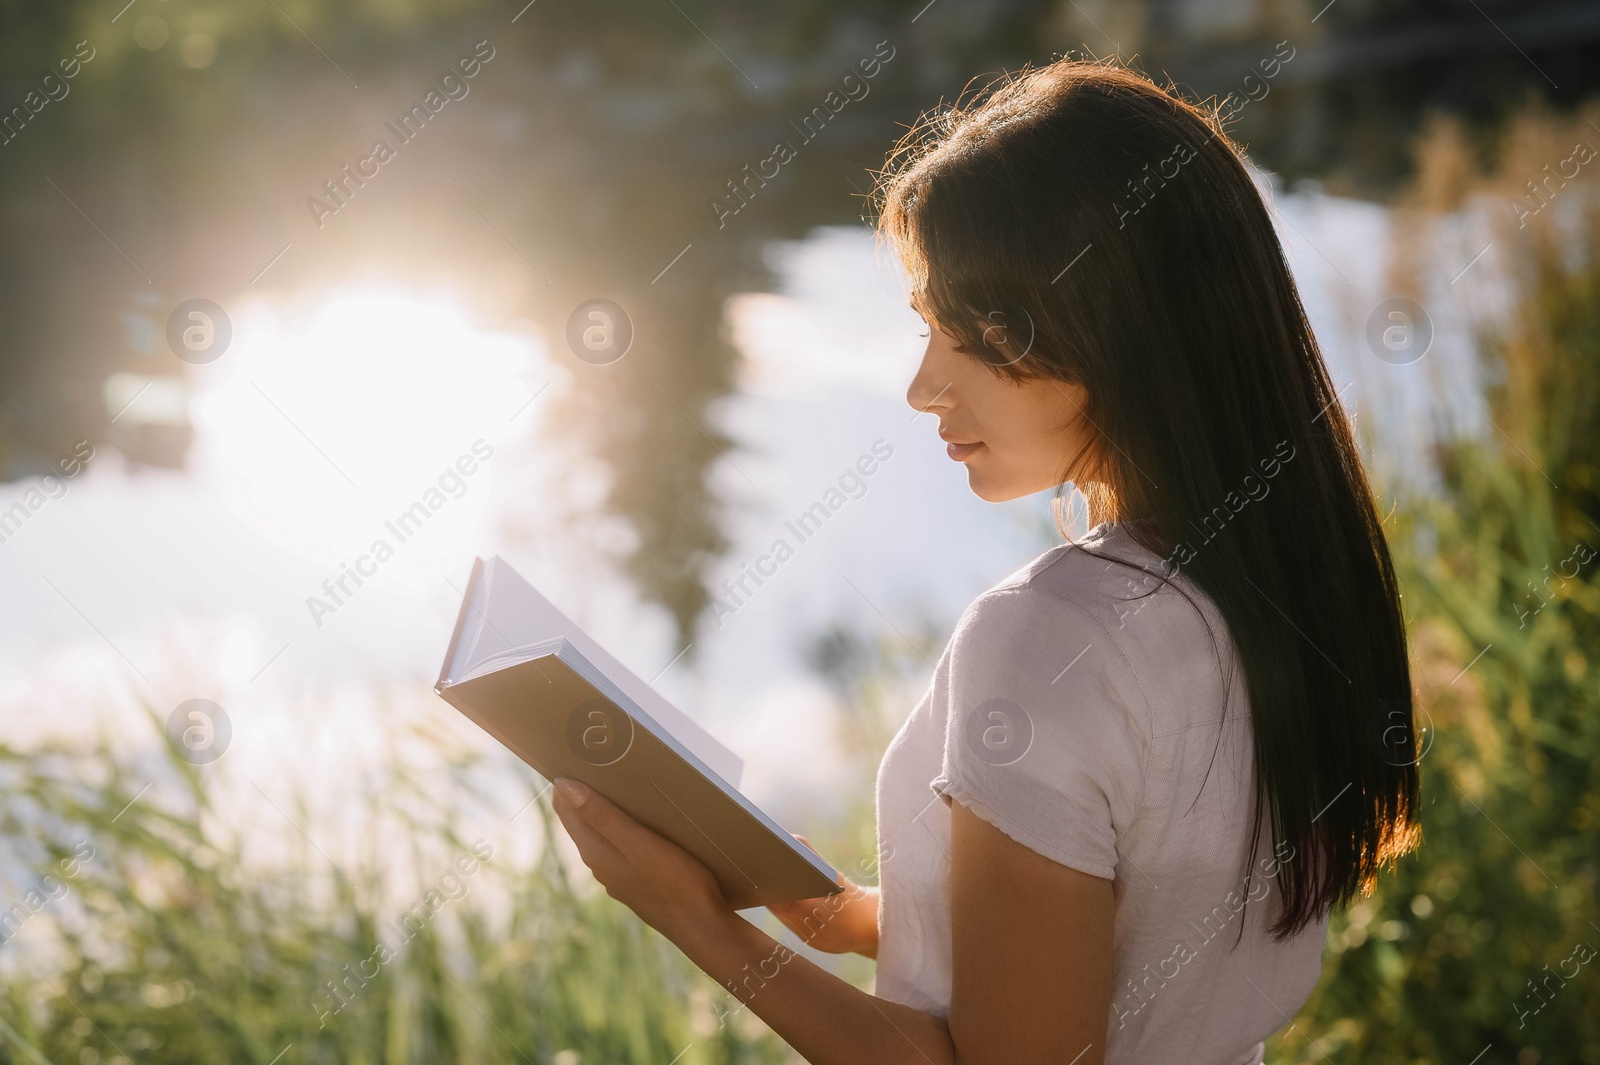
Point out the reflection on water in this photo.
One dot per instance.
(343, 422)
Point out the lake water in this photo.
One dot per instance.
(331, 416)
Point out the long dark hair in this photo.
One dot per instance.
(1078, 222)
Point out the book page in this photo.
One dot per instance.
(504, 613)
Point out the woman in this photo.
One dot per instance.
(1151, 762)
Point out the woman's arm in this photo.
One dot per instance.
(1031, 951)
(1032, 946)
(825, 1019)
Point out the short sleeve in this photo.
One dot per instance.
(1043, 734)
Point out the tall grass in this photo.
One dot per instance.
(185, 938)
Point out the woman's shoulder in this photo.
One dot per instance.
(1142, 627)
(1101, 580)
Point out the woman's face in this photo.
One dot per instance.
(1014, 437)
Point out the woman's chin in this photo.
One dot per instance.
(990, 491)
(998, 489)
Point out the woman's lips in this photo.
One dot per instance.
(962, 452)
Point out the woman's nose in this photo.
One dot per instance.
(926, 389)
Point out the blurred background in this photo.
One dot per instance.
(270, 269)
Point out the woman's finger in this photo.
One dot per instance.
(596, 851)
(839, 878)
(621, 832)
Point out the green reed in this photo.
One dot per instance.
(177, 941)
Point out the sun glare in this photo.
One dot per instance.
(327, 423)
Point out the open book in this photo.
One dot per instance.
(540, 685)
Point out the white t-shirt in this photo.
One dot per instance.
(1098, 728)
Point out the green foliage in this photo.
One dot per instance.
(176, 942)
(1479, 938)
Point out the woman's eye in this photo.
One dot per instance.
(923, 334)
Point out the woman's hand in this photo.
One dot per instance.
(846, 923)
(670, 889)
(822, 1016)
